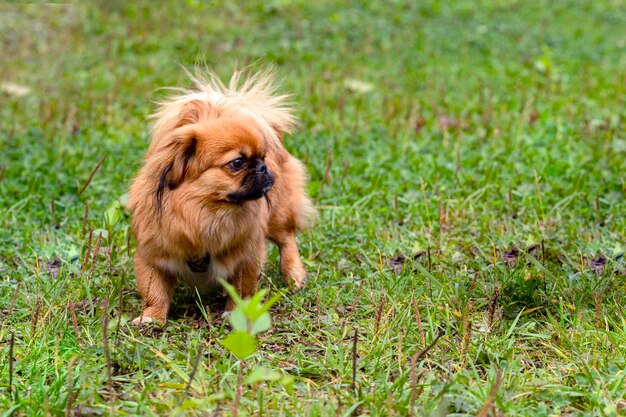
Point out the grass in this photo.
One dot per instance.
(439, 137)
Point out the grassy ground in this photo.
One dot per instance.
(443, 139)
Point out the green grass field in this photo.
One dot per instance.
(468, 162)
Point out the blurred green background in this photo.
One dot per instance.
(439, 137)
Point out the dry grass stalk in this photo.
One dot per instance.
(95, 256)
(192, 375)
(238, 392)
(354, 358)
(35, 318)
(484, 411)
(129, 236)
(14, 298)
(74, 322)
(318, 302)
(493, 304)
(93, 172)
(418, 318)
(11, 347)
(104, 306)
(70, 388)
(85, 218)
(120, 310)
(379, 314)
(87, 251)
(598, 315)
(414, 375)
(357, 295)
(399, 349)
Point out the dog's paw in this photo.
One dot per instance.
(296, 277)
(225, 315)
(143, 320)
(300, 282)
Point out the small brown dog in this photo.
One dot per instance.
(215, 185)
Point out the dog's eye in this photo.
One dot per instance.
(237, 164)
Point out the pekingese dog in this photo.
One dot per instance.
(216, 184)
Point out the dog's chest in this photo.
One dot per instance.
(201, 273)
(200, 265)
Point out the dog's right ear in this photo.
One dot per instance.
(179, 163)
(184, 152)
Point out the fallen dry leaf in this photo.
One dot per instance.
(419, 123)
(14, 89)
(396, 263)
(597, 264)
(510, 256)
(358, 86)
(53, 267)
(446, 123)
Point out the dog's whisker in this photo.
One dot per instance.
(268, 201)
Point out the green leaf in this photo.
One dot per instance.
(287, 382)
(113, 214)
(123, 200)
(256, 308)
(262, 324)
(232, 292)
(238, 319)
(255, 304)
(103, 232)
(261, 374)
(240, 343)
(314, 187)
(269, 303)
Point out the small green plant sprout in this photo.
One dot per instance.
(113, 214)
(248, 319)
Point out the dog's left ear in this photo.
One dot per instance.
(192, 112)
(279, 132)
(281, 154)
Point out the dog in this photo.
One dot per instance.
(216, 184)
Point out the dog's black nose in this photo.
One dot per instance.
(261, 168)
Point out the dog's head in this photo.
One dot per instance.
(215, 161)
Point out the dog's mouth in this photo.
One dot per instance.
(266, 189)
(256, 191)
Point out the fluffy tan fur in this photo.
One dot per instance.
(181, 200)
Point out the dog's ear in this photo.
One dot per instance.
(184, 152)
(279, 132)
(193, 111)
(180, 162)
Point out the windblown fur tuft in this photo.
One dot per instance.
(252, 96)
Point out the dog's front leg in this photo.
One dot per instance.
(245, 280)
(291, 266)
(156, 290)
